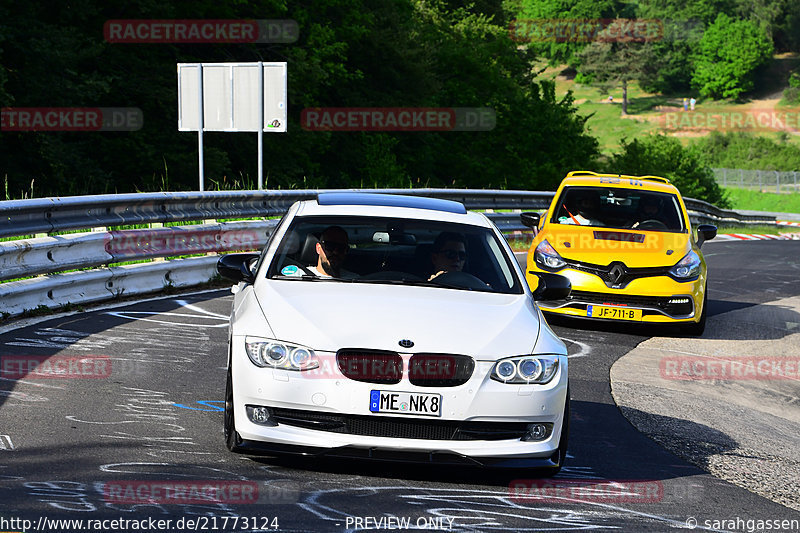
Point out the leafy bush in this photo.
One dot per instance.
(664, 156)
(791, 95)
(730, 51)
(747, 151)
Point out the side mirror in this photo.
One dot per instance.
(530, 220)
(551, 287)
(705, 232)
(236, 267)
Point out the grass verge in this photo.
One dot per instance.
(748, 199)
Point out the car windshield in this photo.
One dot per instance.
(394, 251)
(619, 208)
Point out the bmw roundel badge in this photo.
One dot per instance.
(405, 343)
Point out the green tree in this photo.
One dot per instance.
(767, 14)
(669, 63)
(5, 98)
(787, 30)
(729, 53)
(611, 61)
(664, 156)
(545, 26)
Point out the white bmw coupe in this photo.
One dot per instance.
(396, 328)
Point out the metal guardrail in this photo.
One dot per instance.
(701, 212)
(48, 257)
(46, 215)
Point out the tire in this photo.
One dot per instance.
(561, 452)
(697, 328)
(232, 439)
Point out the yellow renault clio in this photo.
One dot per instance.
(627, 246)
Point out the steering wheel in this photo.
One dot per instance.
(650, 224)
(460, 280)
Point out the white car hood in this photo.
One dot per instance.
(329, 315)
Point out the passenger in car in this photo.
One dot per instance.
(449, 253)
(582, 210)
(332, 251)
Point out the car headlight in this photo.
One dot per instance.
(523, 369)
(547, 257)
(688, 267)
(277, 354)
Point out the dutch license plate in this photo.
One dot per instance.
(406, 403)
(614, 313)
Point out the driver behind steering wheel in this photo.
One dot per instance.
(649, 211)
(331, 252)
(448, 254)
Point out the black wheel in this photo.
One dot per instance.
(232, 438)
(561, 453)
(696, 329)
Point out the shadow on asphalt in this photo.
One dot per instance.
(703, 443)
(621, 327)
(719, 307)
(602, 445)
(55, 336)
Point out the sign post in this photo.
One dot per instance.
(232, 97)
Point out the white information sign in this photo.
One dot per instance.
(232, 97)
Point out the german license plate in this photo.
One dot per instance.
(405, 403)
(614, 313)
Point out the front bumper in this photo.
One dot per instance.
(479, 400)
(398, 456)
(653, 295)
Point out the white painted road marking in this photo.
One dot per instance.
(131, 315)
(202, 314)
(5, 443)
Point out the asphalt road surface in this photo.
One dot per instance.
(146, 419)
